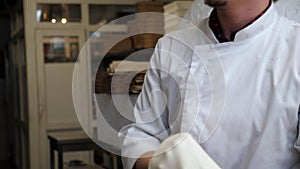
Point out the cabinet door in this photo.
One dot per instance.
(57, 54)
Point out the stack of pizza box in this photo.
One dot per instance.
(174, 12)
(150, 26)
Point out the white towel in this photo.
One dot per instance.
(181, 151)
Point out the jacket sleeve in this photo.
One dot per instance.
(150, 127)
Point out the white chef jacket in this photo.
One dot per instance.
(289, 9)
(241, 97)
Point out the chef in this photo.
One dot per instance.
(232, 82)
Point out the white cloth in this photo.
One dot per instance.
(181, 151)
(260, 81)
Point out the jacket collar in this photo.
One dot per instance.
(257, 27)
(216, 28)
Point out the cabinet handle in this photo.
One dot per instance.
(41, 111)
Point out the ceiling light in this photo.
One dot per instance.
(64, 20)
(53, 20)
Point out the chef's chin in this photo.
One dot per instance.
(215, 3)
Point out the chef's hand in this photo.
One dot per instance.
(143, 161)
(181, 151)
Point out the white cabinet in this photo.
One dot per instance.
(56, 57)
(56, 61)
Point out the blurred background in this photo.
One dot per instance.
(39, 45)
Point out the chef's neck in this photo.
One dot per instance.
(235, 15)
